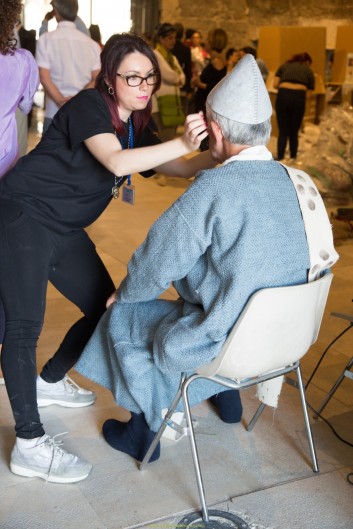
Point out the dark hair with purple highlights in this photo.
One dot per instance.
(114, 52)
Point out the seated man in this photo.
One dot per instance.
(238, 228)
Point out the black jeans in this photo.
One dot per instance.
(30, 255)
(2, 322)
(290, 110)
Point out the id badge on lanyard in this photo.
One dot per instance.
(128, 190)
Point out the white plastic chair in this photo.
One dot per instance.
(274, 331)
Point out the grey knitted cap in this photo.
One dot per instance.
(242, 95)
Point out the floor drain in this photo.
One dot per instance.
(217, 520)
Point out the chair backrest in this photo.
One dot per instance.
(275, 329)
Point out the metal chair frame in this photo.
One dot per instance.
(182, 393)
(248, 358)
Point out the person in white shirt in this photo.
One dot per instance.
(68, 60)
(79, 23)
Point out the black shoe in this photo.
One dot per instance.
(229, 405)
(133, 437)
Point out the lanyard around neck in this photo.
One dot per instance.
(129, 144)
(118, 181)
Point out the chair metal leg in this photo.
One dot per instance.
(257, 414)
(335, 386)
(262, 406)
(194, 451)
(163, 426)
(350, 326)
(307, 422)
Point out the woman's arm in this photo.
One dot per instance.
(168, 75)
(276, 82)
(92, 81)
(32, 82)
(50, 88)
(108, 151)
(197, 83)
(182, 77)
(187, 167)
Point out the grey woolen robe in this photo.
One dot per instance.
(236, 229)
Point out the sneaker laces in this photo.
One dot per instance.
(56, 449)
(70, 386)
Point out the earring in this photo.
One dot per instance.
(111, 90)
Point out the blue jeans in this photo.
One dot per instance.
(30, 256)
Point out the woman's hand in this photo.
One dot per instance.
(195, 130)
(195, 81)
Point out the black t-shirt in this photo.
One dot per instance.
(210, 76)
(297, 73)
(60, 183)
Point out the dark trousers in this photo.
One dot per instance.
(30, 256)
(290, 110)
(2, 322)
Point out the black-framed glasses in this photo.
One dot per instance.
(136, 80)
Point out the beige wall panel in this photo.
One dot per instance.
(278, 44)
(344, 45)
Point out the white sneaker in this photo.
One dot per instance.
(64, 393)
(48, 461)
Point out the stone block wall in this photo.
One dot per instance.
(242, 18)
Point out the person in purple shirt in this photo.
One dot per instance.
(19, 81)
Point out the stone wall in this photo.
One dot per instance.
(242, 18)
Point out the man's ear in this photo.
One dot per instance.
(218, 134)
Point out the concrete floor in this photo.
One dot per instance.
(264, 476)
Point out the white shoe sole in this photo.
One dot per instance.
(42, 403)
(28, 473)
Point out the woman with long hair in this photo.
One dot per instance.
(214, 72)
(18, 83)
(47, 200)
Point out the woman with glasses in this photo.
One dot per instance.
(62, 186)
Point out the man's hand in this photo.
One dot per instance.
(111, 300)
(49, 15)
